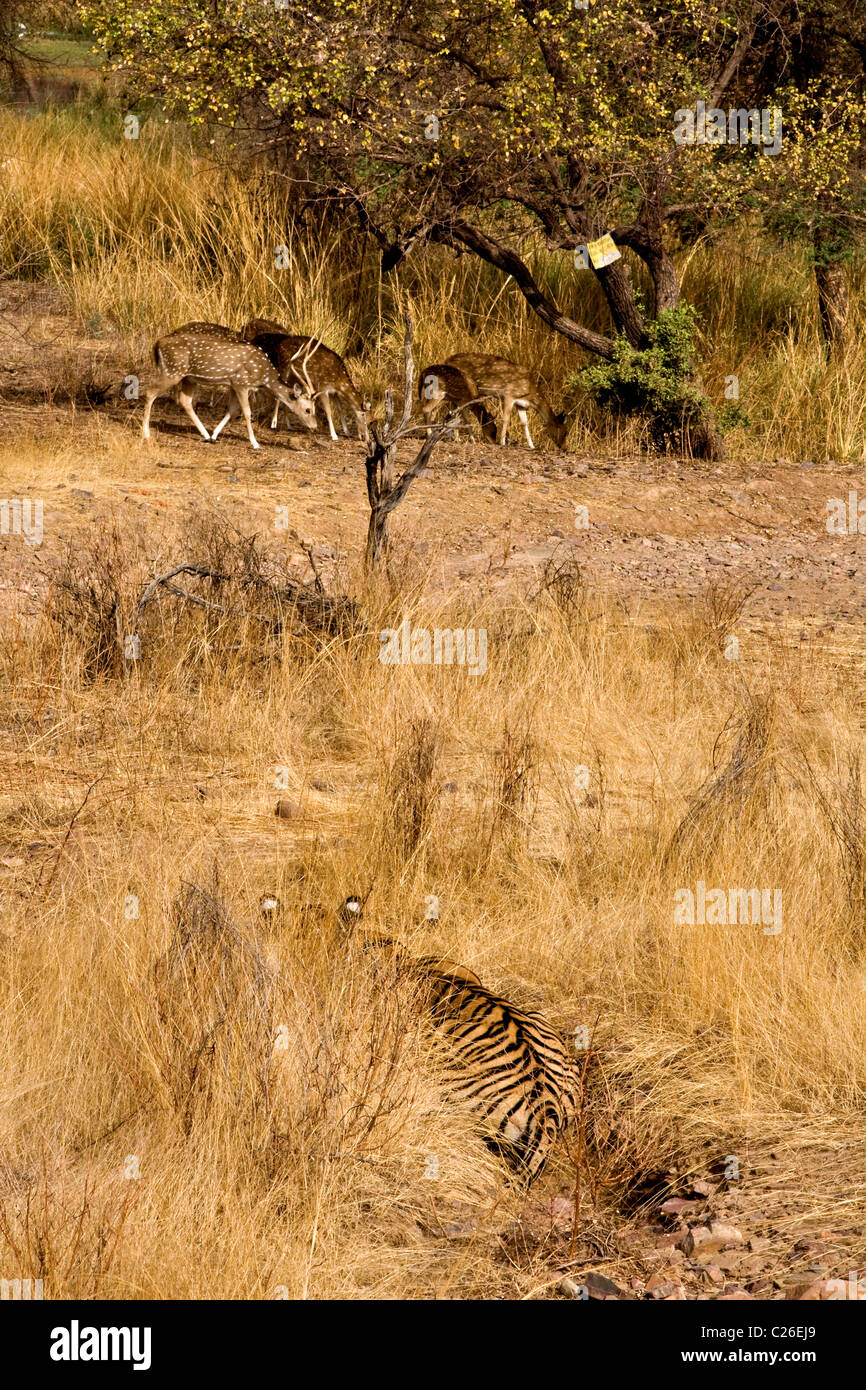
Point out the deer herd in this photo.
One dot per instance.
(301, 373)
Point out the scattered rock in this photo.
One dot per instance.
(674, 1206)
(710, 1238)
(460, 1230)
(727, 1235)
(698, 1235)
(562, 1211)
(668, 1241)
(572, 1289)
(288, 810)
(600, 1286)
(657, 1281)
(829, 1289)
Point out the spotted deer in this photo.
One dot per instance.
(210, 355)
(442, 383)
(302, 358)
(218, 330)
(513, 385)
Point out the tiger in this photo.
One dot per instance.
(505, 1064)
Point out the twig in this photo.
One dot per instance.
(69, 828)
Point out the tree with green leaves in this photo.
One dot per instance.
(480, 124)
(818, 197)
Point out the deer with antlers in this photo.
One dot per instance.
(320, 370)
(209, 355)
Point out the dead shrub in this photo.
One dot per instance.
(841, 803)
(411, 785)
(737, 795)
(717, 613)
(344, 1083)
(250, 596)
(63, 1229)
(92, 600)
(563, 586)
(213, 1000)
(515, 786)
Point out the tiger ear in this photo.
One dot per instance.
(350, 912)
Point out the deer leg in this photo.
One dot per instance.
(507, 403)
(521, 415)
(486, 421)
(341, 411)
(243, 396)
(145, 424)
(276, 415)
(232, 414)
(186, 401)
(325, 398)
(162, 388)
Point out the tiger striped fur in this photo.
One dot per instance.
(506, 1064)
(503, 1063)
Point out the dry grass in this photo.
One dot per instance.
(265, 1081)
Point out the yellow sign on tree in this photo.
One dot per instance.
(603, 251)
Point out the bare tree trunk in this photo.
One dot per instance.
(706, 442)
(618, 290)
(383, 493)
(379, 464)
(833, 304)
(666, 282)
(832, 284)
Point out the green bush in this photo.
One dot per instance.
(655, 381)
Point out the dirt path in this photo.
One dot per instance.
(649, 531)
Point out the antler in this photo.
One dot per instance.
(301, 373)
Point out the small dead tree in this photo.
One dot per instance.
(383, 492)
